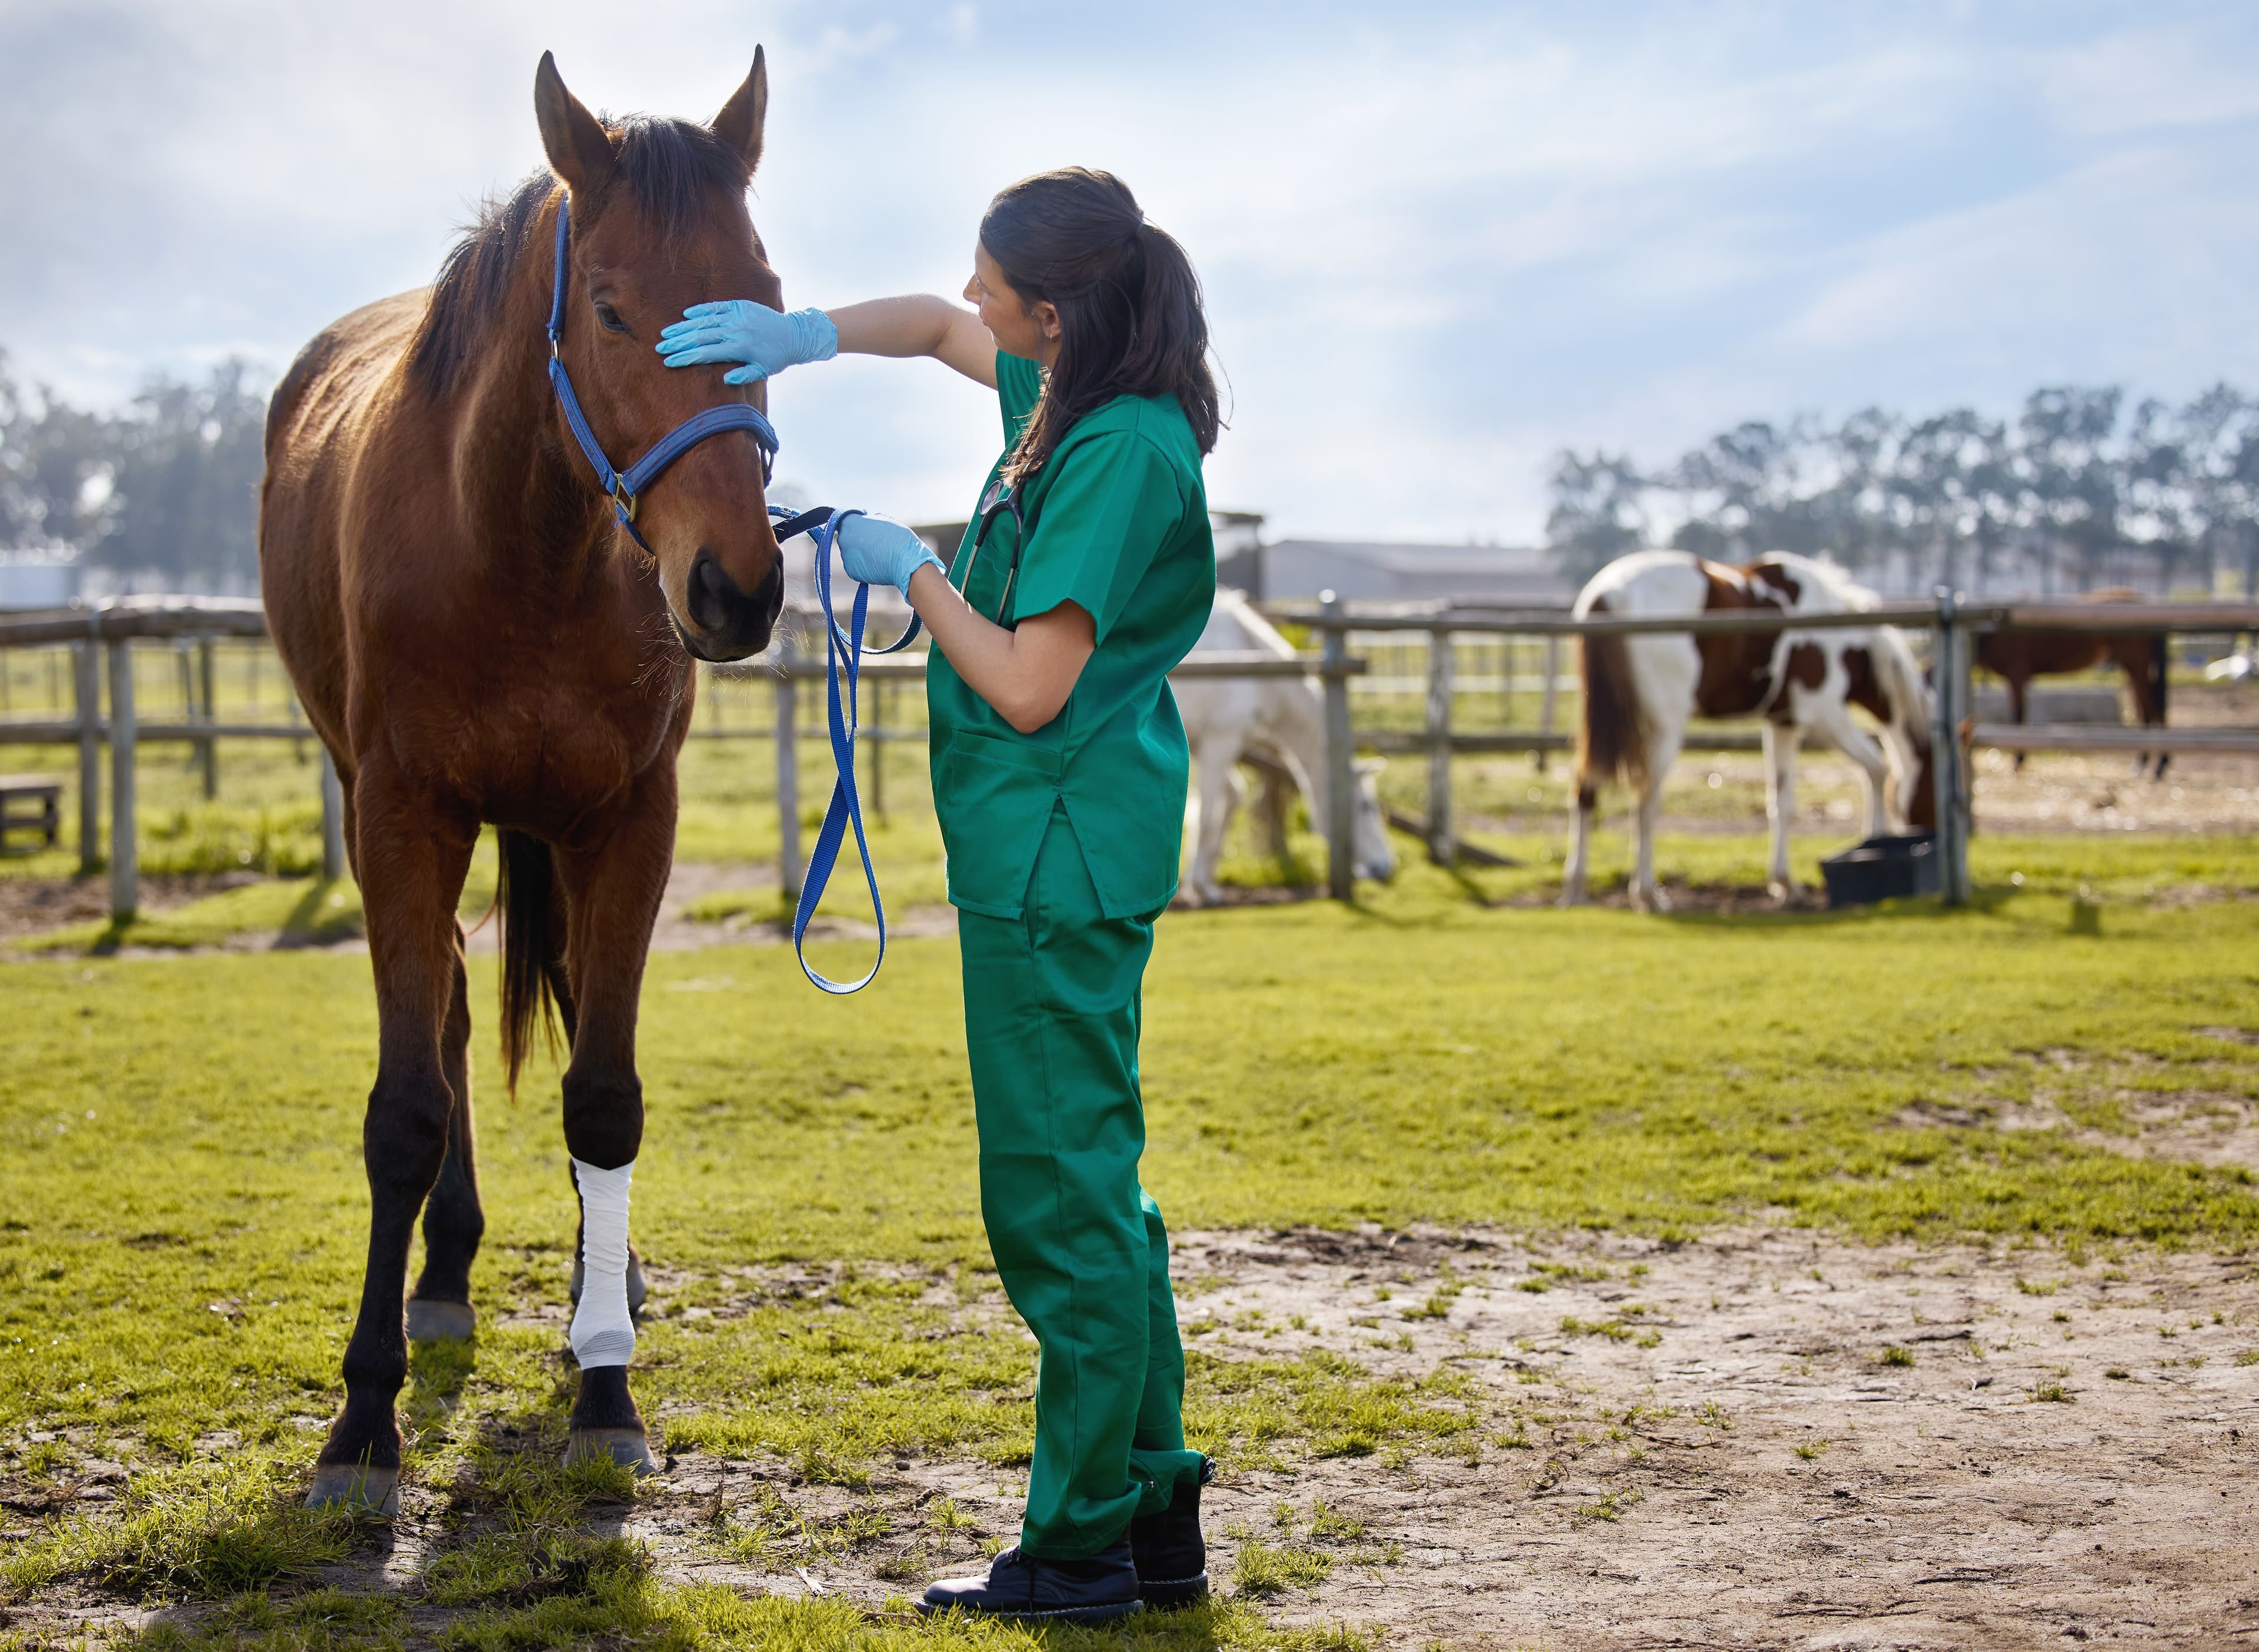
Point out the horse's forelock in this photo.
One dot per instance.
(672, 168)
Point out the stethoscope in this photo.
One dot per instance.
(1001, 502)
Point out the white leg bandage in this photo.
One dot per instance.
(602, 1333)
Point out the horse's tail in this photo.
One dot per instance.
(2161, 659)
(1608, 741)
(525, 898)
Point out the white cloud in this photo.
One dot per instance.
(1435, 251)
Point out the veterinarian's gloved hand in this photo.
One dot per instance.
(879, 550)
(766, 341)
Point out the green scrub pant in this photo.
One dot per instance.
(1051, 1016)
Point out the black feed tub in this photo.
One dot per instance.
(1881, 869)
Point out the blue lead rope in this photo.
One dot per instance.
(843, 652)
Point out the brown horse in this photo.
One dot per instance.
(2017, 656)
(478, 638)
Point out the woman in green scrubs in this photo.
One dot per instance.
(1059, 768)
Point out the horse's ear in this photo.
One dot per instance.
(579, 151)
(739, 124)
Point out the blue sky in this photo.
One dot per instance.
(1439, 242)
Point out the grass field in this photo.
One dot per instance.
(181, 1205)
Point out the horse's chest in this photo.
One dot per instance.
(537, 753)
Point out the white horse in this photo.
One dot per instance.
(1640, 689)
(1278, 724)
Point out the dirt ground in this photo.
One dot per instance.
(1718, 1454)
(1708, 1444)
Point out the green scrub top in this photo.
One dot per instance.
(1116, 522)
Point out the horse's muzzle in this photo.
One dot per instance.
(726, 622)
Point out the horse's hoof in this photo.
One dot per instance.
(1781, 893)
(355, 1486)
(629, 1447)
(432, 1321)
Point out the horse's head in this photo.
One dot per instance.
(659, 223)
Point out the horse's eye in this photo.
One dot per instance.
(610, 316)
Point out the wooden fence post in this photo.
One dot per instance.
(125, 854)
(333, 820)
(207, 748)
(1965, 774)
(1440, 683)
(1549, 693)
(86, 685)
(1341, 853)
(787, 778)
(1945, 760)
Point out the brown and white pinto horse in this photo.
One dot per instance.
(2017, 656)
(476, 640)
(1641, 691)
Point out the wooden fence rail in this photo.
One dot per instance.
(1952, 620)
(105, 634)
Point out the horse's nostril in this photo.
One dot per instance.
(710, 594)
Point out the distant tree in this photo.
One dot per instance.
(170, 486)
(54, 465)
(2072, 481)
(186, 465)
(1597, 512)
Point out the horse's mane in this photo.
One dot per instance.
(670, 167)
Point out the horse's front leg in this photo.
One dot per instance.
(612, 895)
(1219, 797)
(454, 1222)
(1780, 742)
(411, 851)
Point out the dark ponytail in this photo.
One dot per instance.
(1128, 303)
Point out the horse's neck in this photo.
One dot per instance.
(513, 471)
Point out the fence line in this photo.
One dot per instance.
(193, 624)
(1952, 620)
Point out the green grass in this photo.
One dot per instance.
(182, 1209)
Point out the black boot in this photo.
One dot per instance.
(1023, 1588)
(1171, 1557)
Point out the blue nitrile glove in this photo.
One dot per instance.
(766, 341)
(879, 550)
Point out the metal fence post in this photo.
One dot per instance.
(1441, 850)
(124, 857)
(1945, 754)
(86, 685)
(1341, 853)
(787, 778)
(334, 821)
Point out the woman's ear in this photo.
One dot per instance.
(1045, 316)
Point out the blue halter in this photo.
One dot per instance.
(625, 487)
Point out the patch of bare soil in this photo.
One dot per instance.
(29, 906)
(1714, 1445)
(1761, 1439)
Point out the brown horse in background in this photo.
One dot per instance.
(477, 640)
(2017, 656)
